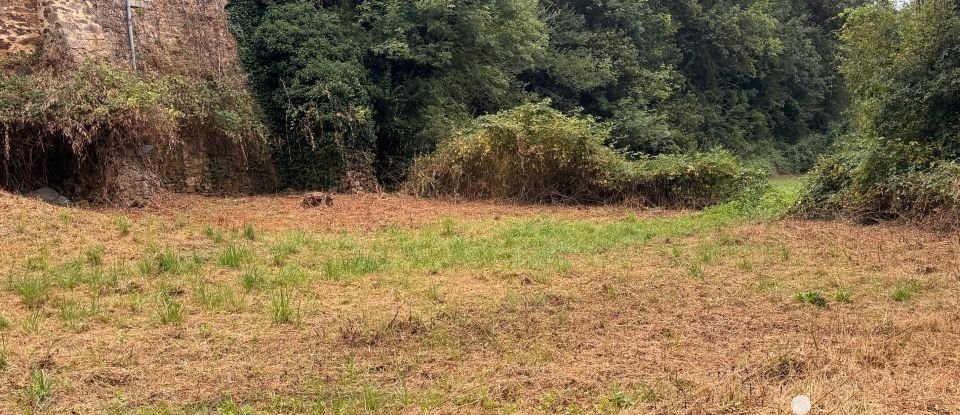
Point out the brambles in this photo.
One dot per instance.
(903, 161)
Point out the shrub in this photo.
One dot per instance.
(536, 154)
(866, 182)
(902, 78)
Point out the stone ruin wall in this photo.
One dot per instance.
(21, 25)
(189, 37)
(182, 37)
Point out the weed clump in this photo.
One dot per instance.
(536, 154)
(812, 298)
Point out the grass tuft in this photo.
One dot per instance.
(843, 296)
(94, 255)
(812, 298)
(214, 235)
(123, 225)
(40, 389)
(281, 309)
(905, 290)
(233, 256)
(249, 233)
(164, 262)
(169, 310)
(32, 290)
(253, 279)
(352, 266)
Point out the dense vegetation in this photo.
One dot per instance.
(535, 153)
(344, 82)
(902, 67)
(76, 129)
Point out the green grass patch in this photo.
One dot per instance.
(905, 290)
(234, 256)
(811, 297)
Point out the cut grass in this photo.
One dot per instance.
(477, 314)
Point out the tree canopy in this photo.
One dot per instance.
(392, 78)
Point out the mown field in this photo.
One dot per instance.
(391, 304)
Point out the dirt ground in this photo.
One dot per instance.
(697, 322)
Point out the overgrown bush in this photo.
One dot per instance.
(902, 66)
(80, 126)
(867, 182)
(536, 154)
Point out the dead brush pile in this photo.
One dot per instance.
(536, 154)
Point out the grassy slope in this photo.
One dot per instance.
(496, 314)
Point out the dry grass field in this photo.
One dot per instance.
(390, 304)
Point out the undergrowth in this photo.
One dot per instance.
(88, 121)
(536, 154)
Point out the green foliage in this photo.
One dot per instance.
(169, 310)
(905, 290)
(901, 67)
(40, 389)
(346, 83)
(339, 79)
(811, 297)
(536, 154)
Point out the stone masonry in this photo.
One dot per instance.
(189, 37)
(21, 25)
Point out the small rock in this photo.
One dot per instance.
(316, 199)
(50, 196)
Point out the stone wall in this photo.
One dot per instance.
(21, 25)
(172, 36)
